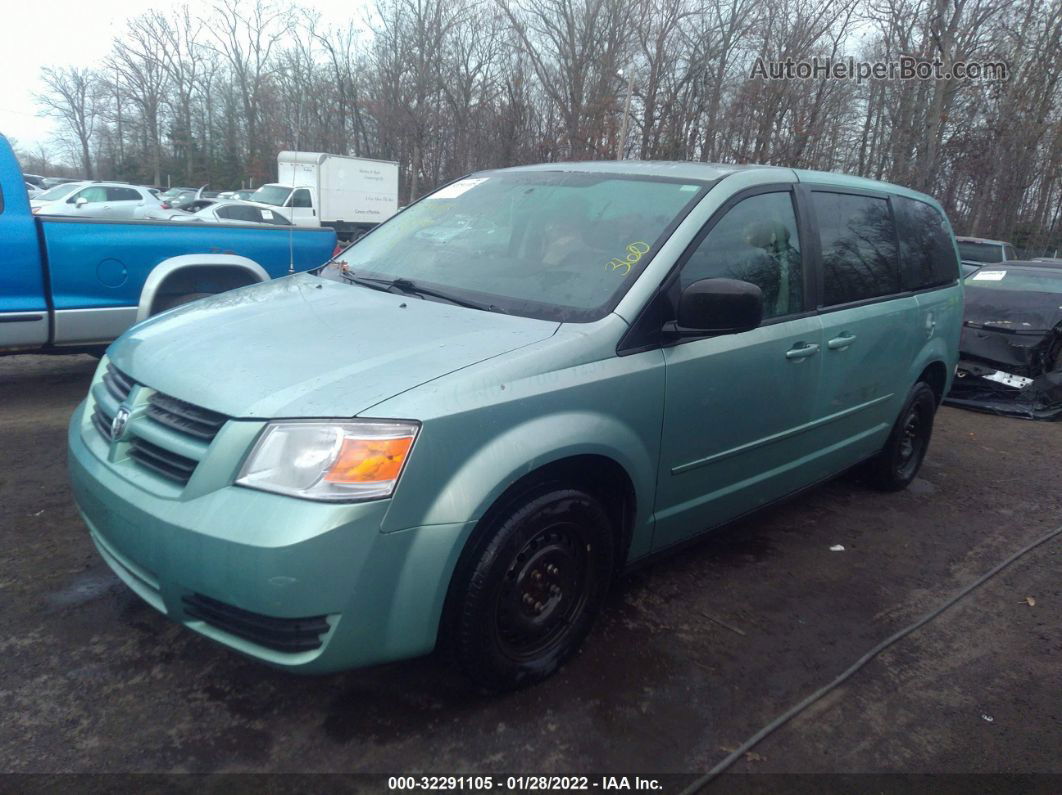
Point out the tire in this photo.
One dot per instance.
(531, 590)
(170, 301)
(899, 461)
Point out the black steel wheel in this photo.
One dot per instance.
(901, 458)
(531, 591)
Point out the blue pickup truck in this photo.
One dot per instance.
(72, 285)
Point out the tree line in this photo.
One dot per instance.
(444, 87)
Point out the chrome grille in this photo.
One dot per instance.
(168, 438)
(117, 383)
(102, 421)
(184, 417)
(162, 461)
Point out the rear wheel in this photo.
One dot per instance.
(531, 592)
(899, 461)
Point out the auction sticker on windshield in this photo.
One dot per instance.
(989, 276)
(455, 190)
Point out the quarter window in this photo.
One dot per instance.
(123, 195)
(928, 256)
(238, 212)
(858, 239)
(756, 241)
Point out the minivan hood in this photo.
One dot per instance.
(303, 346)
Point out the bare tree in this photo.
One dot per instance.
(73, 97)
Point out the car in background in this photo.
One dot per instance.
(183, 200)
(71, 285)
(33, 190)
(1011, 345)
(34, 180)
(54, 194)
(197, 204)
(171, 196)
(1051, 262)
(968, 268)
(50, 182)
(171, 192)
(236, 212)
(97, 200)
(242, 195)
(982, 251)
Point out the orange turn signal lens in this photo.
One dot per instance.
(369, 460)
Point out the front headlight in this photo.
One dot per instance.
(336, 461)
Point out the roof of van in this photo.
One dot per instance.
(711, 172)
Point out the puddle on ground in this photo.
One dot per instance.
(84, 589)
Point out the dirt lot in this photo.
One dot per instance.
(691, 656)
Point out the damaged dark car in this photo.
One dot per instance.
(1011, 348)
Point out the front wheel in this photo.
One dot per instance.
(899, 461)
(531, 592)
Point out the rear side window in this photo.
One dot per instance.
(237, 212)
(858, 239)
(123, 195)
(927, 255)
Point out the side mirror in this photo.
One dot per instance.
(718, 306)
(81, 201)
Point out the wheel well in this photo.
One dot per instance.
(936, 375)
(598, 475)
(202, 279)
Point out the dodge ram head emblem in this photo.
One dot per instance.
(121, 419)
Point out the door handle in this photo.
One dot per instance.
(841, 342)
(801, 351)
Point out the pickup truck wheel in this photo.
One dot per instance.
(531, 595)
(170, 301)
(899, 461)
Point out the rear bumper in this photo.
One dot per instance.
(267, 557)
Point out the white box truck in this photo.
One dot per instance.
(349, 194)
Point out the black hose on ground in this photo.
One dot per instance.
(788, 715)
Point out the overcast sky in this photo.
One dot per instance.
(37, 33)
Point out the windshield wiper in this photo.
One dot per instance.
(384, 285)
(410, 288)
(406, 286)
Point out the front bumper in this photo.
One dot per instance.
(380, 594)
(980, 387)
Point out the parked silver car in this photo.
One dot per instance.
(96, 200)
(237, 212)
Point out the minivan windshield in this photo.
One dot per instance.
(271, 194)
(548, 244)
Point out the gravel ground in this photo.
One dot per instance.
(691, 656)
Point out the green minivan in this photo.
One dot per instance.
(462, 428)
